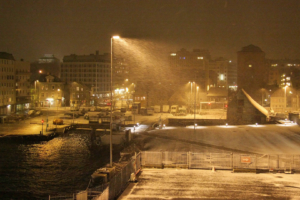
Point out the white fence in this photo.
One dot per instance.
(188, 160)
(220, 160)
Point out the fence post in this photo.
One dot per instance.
(188, 159)
(277, 161)
(292, 163)
(231, 160)
(269, 162)
(162, 159)
(135, 167)
(255, 161)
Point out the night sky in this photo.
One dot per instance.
(31, 28)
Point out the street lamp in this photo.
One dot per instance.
(195, 109)
(285, 96)
(57, 105)
(111, 89)
(191, 94)
(197, 96)
(35, 91)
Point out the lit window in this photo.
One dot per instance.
(173, 54)
(200, 58)
(250, 65)
(288, 78)
(221, 77)
(289, 84)
(77, 88)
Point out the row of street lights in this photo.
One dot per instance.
(194, 102)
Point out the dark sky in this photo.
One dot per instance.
(31, 28)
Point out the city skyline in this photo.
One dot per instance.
(32, 29)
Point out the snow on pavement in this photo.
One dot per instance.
(262, 139)
(204, 184)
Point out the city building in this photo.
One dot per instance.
(52, 92)
(189, 66)
(242, 109)
(218, 72)
(91, 70)
(252, 71)
(23, 93)
(284, 100)
(79, 95)
(7, 84)
(48, 64)
(232, 76)
(282, 72)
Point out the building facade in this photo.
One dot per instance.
(47, 64)
(251, 70)
(23, 93)
(7, 84)
(282, 71)
(79, 95)
(218, 71)
(192, 66)
(52, 92)
(91, 70)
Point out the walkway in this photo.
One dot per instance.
(206, 184)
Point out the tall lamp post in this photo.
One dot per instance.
(191, 94)
(111, 89)
(285, 97)
(35, 95)
(197, 97)
(195, 109)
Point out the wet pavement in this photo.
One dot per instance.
(206, 184)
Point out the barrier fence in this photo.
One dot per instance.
(188, 160)
(220, 160)
(113, 188)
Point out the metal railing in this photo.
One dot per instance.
(113, 188)
(220, 160)
(190, 160)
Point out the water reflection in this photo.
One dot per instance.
(62, 165)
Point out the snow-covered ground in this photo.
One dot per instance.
(203, 184)
(262, 139)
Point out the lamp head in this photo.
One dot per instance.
(116, 37)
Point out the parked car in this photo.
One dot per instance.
(58, 121)
(71, 114)
(72, 108)
(83, 111)
(31, 112)
(38, 113)
(19, 117)
(86, 116)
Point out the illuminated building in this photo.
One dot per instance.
(7, 83)
(191, 66)
(52, 92)
(23, 94)
(93, 71)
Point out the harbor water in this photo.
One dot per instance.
(62, 165)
